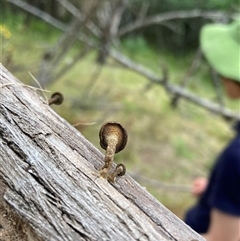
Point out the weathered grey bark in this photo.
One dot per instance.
(51, 173)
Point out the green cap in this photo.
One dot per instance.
(221, 46)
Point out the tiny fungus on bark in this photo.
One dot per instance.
(119, 171)
(113, 139)
(56, 98)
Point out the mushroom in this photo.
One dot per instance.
(113, 139)
(119, 171)
(56, 98)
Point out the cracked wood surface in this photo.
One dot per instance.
(51, 173)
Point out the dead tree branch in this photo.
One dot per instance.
(164, 17)
(49, 19)
(78, 14)
(173, 89)
(76, 59)
(117, 17)
(192, 70)
(41, 14)
(54, 55)
(52, 181)
(143, 11)
(109, 17)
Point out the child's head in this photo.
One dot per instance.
(220, 44)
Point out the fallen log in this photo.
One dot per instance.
(51, 175)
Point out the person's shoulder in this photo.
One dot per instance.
(231, 155)
(234, 147)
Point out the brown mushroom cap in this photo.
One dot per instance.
(121, 169)
(113, 128)
(59, 98)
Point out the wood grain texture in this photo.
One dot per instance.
(51, 173)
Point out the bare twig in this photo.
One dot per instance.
(70, 8)
(163, 17)
(117, 16)
(60, 49)
(77, 13)
(173, 89)
(46, 99)
(92, 81)
(110, 16)
(192, 70)
(41, 14)
(84, 124)
(217, 84)
(125, 61)
(45, 17)
(66, 41)
(23, 85)
(143, 11)
(164, 78)
(67, 67)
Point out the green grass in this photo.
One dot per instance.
(165, 144)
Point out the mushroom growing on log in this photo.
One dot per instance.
(48, 168)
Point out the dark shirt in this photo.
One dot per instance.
(223, 191)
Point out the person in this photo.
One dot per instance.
(216, 215)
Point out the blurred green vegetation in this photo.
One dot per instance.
(180, 36)
(165, 144)
(186, 32)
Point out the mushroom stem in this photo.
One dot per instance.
(56, 98)
(53, 100)
(109, 155)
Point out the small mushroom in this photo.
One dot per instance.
(119, 171)
(113, 139)
(56, 98)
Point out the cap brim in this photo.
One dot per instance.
(221, 51)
